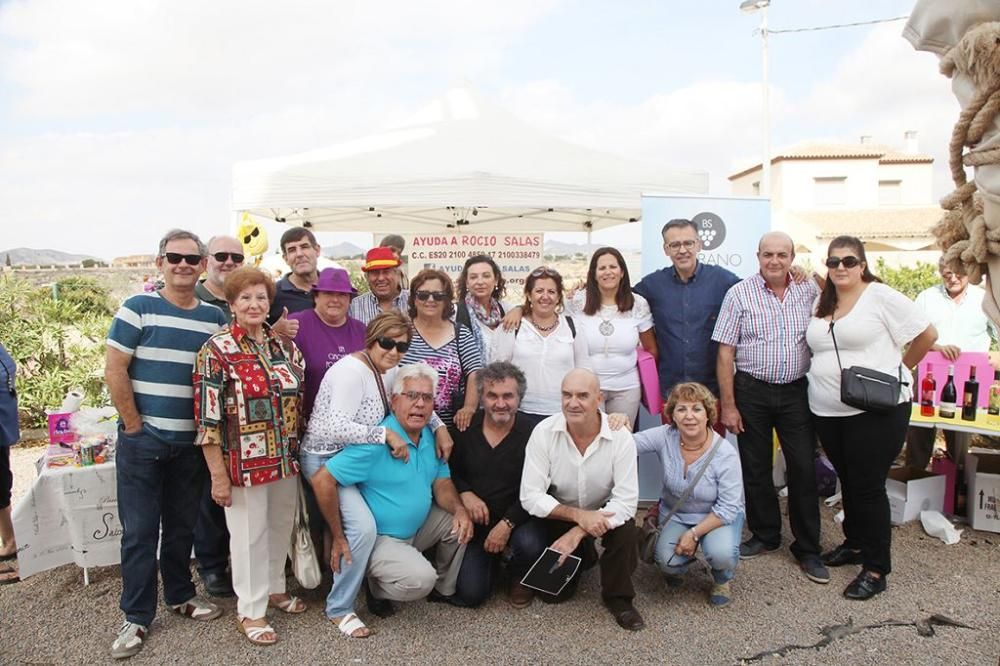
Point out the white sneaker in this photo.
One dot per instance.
(129, 641)
(198, 608)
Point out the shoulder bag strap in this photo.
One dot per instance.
(835, 348)
(694, 482)
(378, 380)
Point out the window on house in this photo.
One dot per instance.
(830, 191)
(756, 188)
(889, 192)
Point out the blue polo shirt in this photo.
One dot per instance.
(398, 493)
(684, 315)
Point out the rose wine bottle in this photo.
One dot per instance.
(928, 387)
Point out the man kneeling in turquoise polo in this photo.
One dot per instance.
(414, 502)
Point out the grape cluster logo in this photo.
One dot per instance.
(711, 230)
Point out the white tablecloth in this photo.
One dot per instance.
(69, 515)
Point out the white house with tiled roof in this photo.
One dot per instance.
(879, 193)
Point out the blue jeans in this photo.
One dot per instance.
(721, 547)
(359, 529)
(157, 483)
(211, 536)
(479, 568)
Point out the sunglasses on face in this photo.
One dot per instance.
(848, 261)
(417, 396)
(437, 296)
(221, 257)
(177, 257)
(388, 343)
(686, 244)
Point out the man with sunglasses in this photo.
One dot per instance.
(381, 269)
(685, 299)
(225, 255)
(151, 348)
(761, 331)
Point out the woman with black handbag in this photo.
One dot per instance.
(860, 401)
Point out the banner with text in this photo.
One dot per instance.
(729, 229)
(516, 254)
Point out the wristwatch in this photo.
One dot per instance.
(510, 523)
(695, 535)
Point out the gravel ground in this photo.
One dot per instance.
(51, 618)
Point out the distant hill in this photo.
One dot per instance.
(555, 247)
(32, 257)
(343, 250)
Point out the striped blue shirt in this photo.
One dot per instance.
(365, 307)
(163, 341)
(769, 334)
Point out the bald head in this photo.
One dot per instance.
(775, 254)
(581, 399)
(218, 270)
(777, 239)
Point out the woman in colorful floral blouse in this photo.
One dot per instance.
(247, 396)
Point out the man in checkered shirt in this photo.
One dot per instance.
(761, 334)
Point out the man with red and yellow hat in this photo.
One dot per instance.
(384, 292)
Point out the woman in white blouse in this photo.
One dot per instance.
(861, 322)
(352, 401)
(613, 321)
(545, 345)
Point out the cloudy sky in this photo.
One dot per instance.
(121, 118)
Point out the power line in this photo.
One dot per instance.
(839, 25)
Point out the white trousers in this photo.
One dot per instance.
(260, 531)
(398, 570)
(623, 402)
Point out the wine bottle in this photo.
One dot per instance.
(928, 387)
(949, 396)
(994, 408)
(970, 396)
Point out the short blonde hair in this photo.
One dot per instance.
(248, 276)
(693, 392)
(388, 324)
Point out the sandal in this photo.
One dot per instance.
(291, 605)
(351, 623)
(9, 574)
(256, 634)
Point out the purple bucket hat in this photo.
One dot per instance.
(335, 279)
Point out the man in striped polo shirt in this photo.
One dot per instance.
(152, 345)
(762, 330)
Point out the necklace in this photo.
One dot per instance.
(607, 329)
(699, 447)
(544, 329)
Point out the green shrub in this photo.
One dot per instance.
(906, 279)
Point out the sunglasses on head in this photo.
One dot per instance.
(387, 343)
(221, 257)
(177, 257)
(849, 261)
(544, 271)
(438, 296)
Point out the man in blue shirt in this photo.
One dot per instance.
(685, 299)
(414, 502)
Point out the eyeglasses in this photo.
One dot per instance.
(387, 343)
(437, 296)
(250, 236)
(417, 396)
(177, 257)
(221, 257)
(544, 271)
(676, 245)
(849, 261)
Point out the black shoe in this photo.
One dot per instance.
(841, 556)
(379, 607)
(865, 586)
(753, 547)
(814, 570)
(218, 584)
(436, 597)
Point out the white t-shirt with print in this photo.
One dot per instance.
(871, 335)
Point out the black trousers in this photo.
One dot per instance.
(862, 448)
(783, 407)
(617, 562)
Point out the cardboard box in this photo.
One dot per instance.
(982, 480)
(912, 491)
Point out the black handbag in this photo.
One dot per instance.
(867, 389)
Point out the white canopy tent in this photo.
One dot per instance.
(474, 169)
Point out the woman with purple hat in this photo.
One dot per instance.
(326, 333)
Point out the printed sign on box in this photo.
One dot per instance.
(516, 254)
(982, 481)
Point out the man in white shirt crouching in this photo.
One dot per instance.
(581, 478)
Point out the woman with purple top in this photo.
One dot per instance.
(326, 333)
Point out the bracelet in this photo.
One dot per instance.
(510, 523)
(695, 535)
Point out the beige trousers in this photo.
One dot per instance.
(260, 532)
(397, 569)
